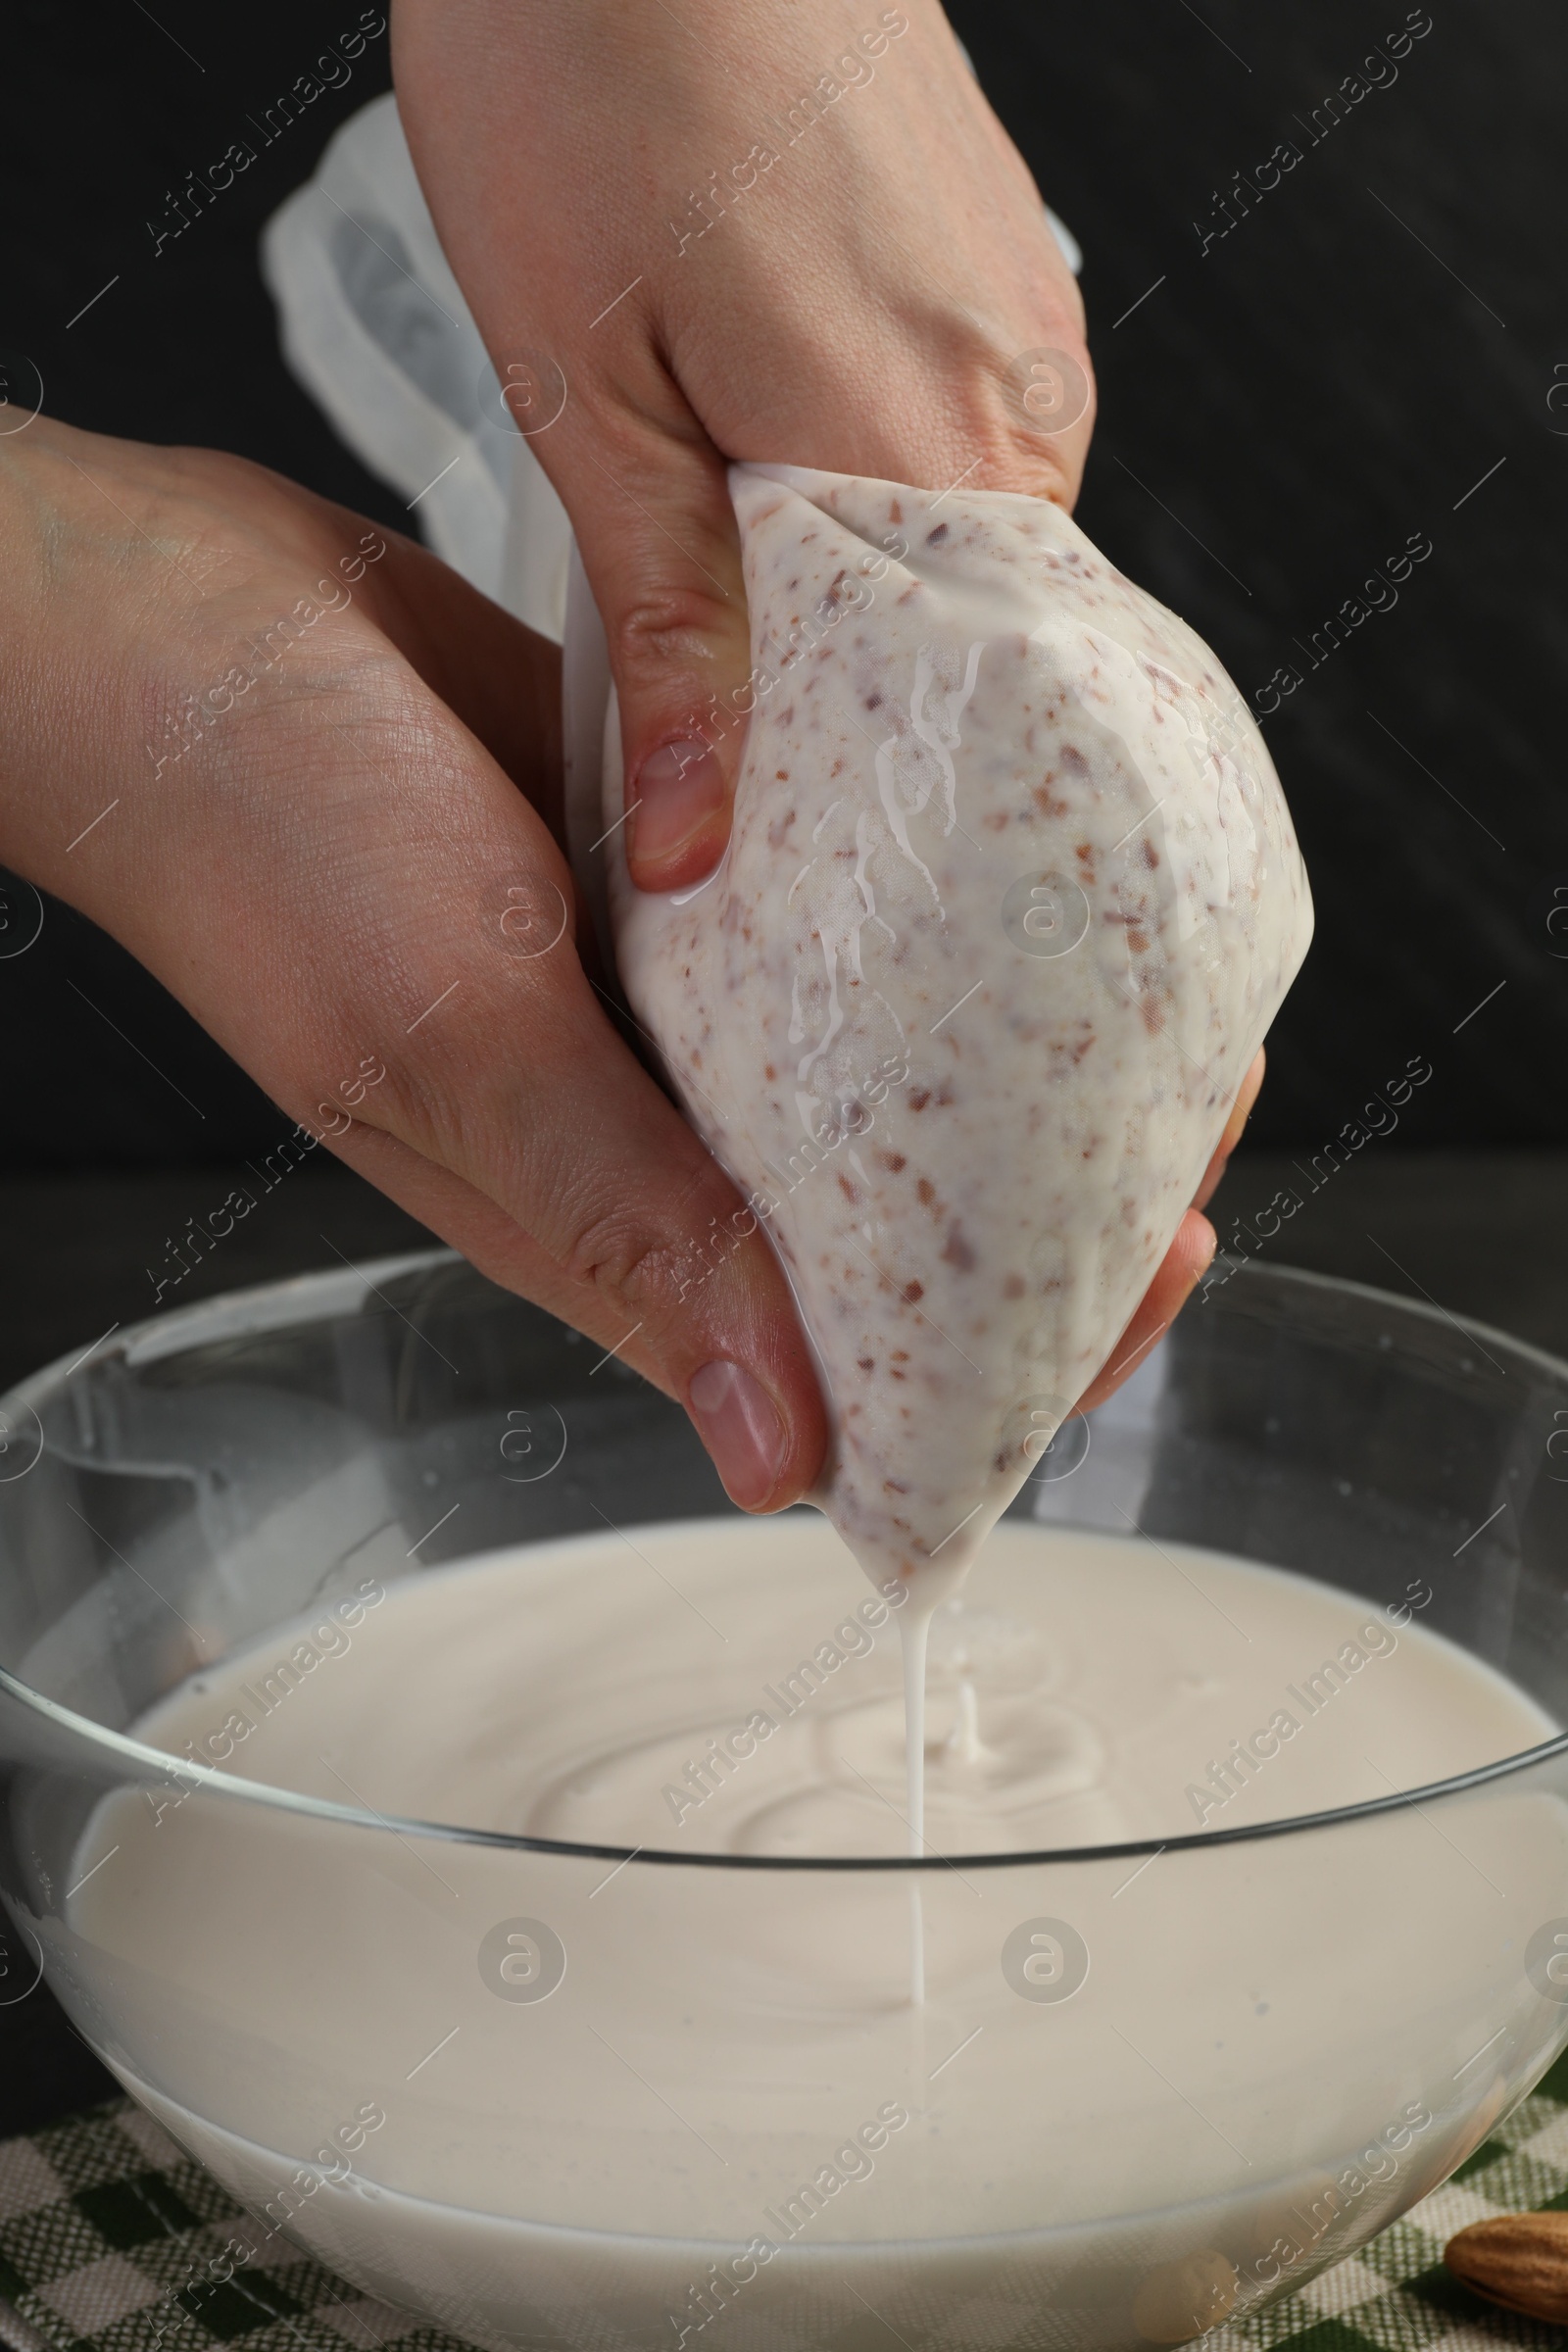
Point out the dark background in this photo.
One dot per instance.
(1294, 403)
(1277, 416)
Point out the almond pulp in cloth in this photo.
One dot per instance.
(1011, 900)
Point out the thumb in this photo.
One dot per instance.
(652, 511)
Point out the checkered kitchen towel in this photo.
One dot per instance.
(106, 2228)
(106, 2232)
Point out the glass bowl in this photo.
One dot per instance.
(506, 2081)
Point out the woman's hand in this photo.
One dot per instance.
(311, 779)
(788, 230)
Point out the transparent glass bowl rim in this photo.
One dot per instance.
(310, 1297)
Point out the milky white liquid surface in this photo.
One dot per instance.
(719, 2033)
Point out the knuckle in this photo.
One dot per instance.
(663, 637)
(414, 1105)
(434, 1091)
(657, 1268)
(645, 1272)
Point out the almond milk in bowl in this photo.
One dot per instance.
(484, 1849)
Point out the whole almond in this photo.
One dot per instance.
(1520, 2261)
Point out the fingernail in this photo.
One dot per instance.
(679, 788)
(737, 1423)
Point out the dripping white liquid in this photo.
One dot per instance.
(915, 1638)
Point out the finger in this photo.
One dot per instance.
(513, 1119)
(374, 922)
(737, 1412)
(650, 504)
(502, 679)
(1182, 1265)
(1240, 1112)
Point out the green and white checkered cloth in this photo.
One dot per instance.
(107, 2228)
